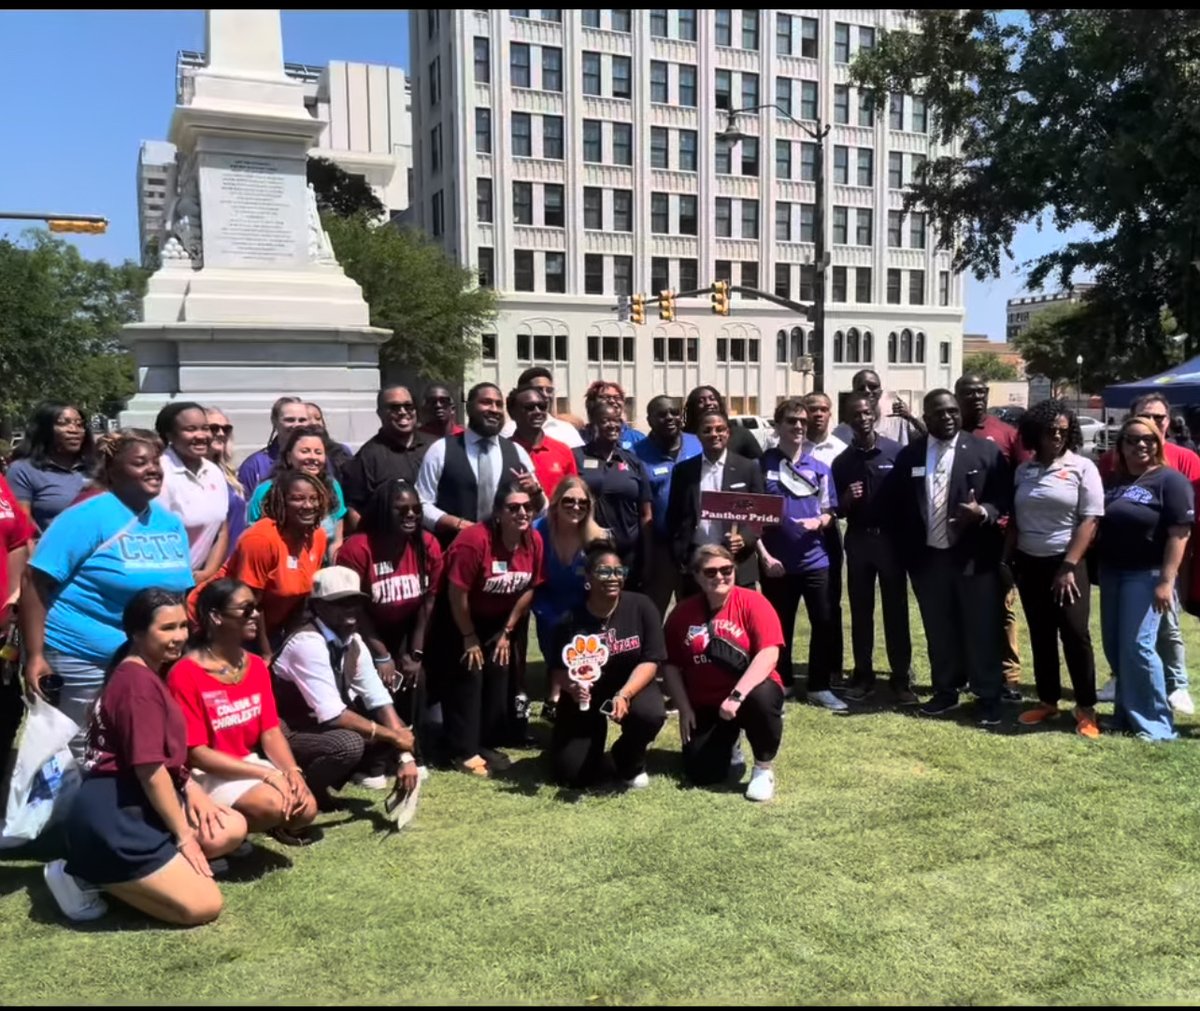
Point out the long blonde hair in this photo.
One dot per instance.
(226, 461)
(589, 529)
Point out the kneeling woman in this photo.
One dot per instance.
(226, 697)
(722, 649)
(629, 627)
(139, 828)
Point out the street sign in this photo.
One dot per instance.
(802, 363)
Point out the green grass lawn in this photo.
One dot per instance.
(902, 861)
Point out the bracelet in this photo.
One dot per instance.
(417, 654)
(381, 660)
(406, 758)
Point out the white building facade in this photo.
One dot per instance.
(572, 157)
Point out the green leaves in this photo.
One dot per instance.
(991, 366)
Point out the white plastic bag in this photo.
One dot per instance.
(44, 777)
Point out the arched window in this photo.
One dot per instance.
(839, 340)
(868, 346)
(852, 345)
(781, 346)
(892, 341)
(797, 342)
(906, 346)
(920, 356)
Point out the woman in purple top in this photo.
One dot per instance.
(792, 556)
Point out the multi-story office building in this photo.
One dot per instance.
(573, 156)
(1021, 310)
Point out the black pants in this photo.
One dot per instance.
(329, 757)
(577, 747)
(475, 703)
(870, 556)
(1048, 621)
(961, 613)
(785, 593)
(837, 642)
(411, 700)
(12, 711)
(706, 756)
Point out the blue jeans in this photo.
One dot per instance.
(1129, 628)
(82, 684)
(1170, 648)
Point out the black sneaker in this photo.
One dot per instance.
(905, 696)
(1010, 693)
(988, 714)
(861, 689)
(940, 705)
(549, 711)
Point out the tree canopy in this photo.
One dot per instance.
(338, 192)
(991, 366)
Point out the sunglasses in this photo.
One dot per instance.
(717, 572)
(245, 613)
(408, 510)
(534, 408)
(610, 571)
(794, 421)
(1141, 440)
(573, 503)
(401, 407)
(1154, 417)
(518, 508)
(221, 430)
(1061, 433)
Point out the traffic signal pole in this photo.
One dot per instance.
(93, 224)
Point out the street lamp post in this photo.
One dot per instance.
(1078, 381)
(733, 135)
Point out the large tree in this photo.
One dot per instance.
(433, 303)
(60, 320)
(1070, 117)
(338, 192)
(990, 366)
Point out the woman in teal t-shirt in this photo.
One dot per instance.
(90, 563)
(307, 450)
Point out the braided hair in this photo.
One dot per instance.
(110, 448)
(274, 504)
(378, 521)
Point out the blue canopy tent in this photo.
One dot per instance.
(1180, 384)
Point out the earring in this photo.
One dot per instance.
(587, 585)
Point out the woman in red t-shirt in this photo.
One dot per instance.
(138, 827)
(16, 532)
(722, 648)
(226, 697)
(491, 571)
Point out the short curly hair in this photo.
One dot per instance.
(274, 505)
(1040, 417)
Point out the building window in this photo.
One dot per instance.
(658, 24)
(783, 34)
(920, 119)
(556, 272)
(593, 207)
(687, 25)
(523, 203)
(783, 159)
(687, 85)
(841, 103)
(483, 130)
(687, 215)
(723, 157)
(518, 65)
(439, 215)
(622, 21)
(660, 213)
(622, 210)
(658, 82)
(431, 23)
(808, 222)
(552, 15)
(738, 349)
(841, 42)
(838, 287)
(862, 285)
(808, 162)
(593, 147)
(783, 221)
(593, 274)
(522, 13)
(895, 170)
(483, 60)
(750, 30)
(724, 215)
(676, 349)
(783, 280)
(808, 38)
(660, 274)
(841, 227)
(906, 347)
(591, 73)
(553, 214)
(916, 171)
(866, 166)
(749, 219)
(841, 164)
(944, 355)
(749, 277)
(723, 89)
(866, 40)
(487, 267)
(943, 288)
(487, 347)
(687, 151)
(659, 140)
(864, 233)
(750, 156)
(892, 341)
(435, 149)
(808, 99)
(551, 68)
(689, 275)
(435, 82)
(916, 287)
(622, 143)
(722, 270)
(541, 347)
(808, 282)
(783, 94)
(749, 90)
(916, 230)
(622, 71)
(893, 286)
(866, 109)
(523, 269)
(623, 275)
(483, 199)
(868, 346)
(853, 346)
(723, 21)
(590, 18)
(895, 229)
(919, 353)
(522, 135)
(896, 112)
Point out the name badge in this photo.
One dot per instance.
(591, 464)
(664, 469)
(885, 466)
(918, 472)
(772, 475)
(735, 487)
(499, 568)
(293, 562)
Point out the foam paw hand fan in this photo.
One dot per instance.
(585, 657)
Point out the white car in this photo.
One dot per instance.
(763, 429)
(1089, 427)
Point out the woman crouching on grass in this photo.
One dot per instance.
(139, 828)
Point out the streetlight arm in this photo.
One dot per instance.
(817, 134)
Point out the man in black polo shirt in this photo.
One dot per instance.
(858, 476)
(395, 452)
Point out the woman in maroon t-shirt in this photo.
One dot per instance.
(138, 827)
(722, 648)
(491, 572)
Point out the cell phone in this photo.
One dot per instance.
(51, 686)
(606, 707)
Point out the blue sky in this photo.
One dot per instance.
(85, 88)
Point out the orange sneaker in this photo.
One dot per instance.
(1038, 714)
(1085, 724)
(476, 765)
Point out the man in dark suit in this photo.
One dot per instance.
(715, 469)
(946, 494)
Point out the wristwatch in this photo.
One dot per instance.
(406, 758)
(736, 696)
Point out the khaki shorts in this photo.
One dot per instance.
(229, 791)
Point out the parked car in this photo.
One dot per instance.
(1091, 428)
(762, 428)
(1010, 414)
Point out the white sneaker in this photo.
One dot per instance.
(1181, 701)
(372, 782)
(762, 784)
(827, 700)
(1109, 692)
(639, 782)
(77, 901)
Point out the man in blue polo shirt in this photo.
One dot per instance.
(666, 445)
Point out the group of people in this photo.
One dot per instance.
(237, 646)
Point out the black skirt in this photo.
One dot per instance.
(114, 834)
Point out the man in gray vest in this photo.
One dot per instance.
(460, 473)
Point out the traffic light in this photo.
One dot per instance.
(720, 298)
(93, 227)
(666, 305)
(637, 308)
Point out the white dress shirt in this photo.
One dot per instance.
(435, 459)
(712, 477)
(939, 463)
(825, 451)
(200, 499)
(304, 660)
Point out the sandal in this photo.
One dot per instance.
(305, 837)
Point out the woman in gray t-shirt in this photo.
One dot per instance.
(1057, 506)
(51, 464)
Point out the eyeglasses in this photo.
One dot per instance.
(717, 572)
(573, 503)
(610, 398)
(610, 571)
(794, 421)
(408, 510)
(221, 430)
(401, 407)
(518, 508)
(534, 408)
(1140, 440)
(245, 613)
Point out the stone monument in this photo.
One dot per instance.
(249, 302)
